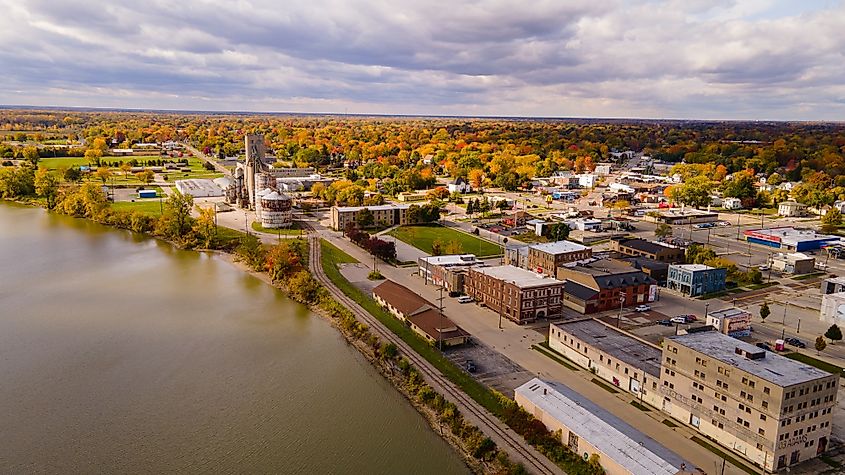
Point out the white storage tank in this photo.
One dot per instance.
(276, 210)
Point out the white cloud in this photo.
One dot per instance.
(698, 59)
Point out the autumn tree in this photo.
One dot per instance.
(205, 226)
(103, 173)
(31, 155)
(125, 168)
(476, 177)
(46, 186)
(820, 344)
(145, 176)
(93, 156)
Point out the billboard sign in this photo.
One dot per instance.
(739, 325)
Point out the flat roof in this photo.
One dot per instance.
(772, 367)
(519, 277)
(615, 343)
(680, 213)
(791, 236)
(558, 247)
(616, 439)
(451, 260)
(652, 247)
(729, 313)
(373, 208)
(692, 267)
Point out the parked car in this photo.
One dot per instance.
(465, 299)
(667, 323)
(795, 342)
(764, 267)
(678, 319)
(688, 318)
(470, 366)
(723, 223)
(642, 308)
(764, 346)
(454, 293)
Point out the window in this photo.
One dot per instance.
(766, 390)
(765, 404)
(762, 417)
(761, 431)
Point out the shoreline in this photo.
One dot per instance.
(388, 369)
(387, 372)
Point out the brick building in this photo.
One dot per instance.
(516, 294)
(653, 250)
(605, 285)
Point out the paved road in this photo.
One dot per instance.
(503, 436)
(515, 342)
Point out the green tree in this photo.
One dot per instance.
(365, 218)
(695, 191)
(73, 175)
(47, 186)
(175, 221)
(558, 232)
(765, 311)
(833, 333)
(251, 252)
(820, 344)
(663, 230)
(833, 217)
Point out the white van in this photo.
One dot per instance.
(465, 299)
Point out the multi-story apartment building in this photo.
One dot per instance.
(696, 279)
(516, 294)
(546, 258)
(771, 410)
(389, 215)
(653, 250)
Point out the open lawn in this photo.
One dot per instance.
(293, 230)
(150, 206)
(423, 237)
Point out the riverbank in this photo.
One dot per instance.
(388, 370)
(479, 453)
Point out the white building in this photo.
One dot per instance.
(590, 431)
(459, 185)
(584, 224)
(621, 188)
(833, 308)
(199, 188)
(732, 203)
(587, 180)
(791, 209)
(603, 169)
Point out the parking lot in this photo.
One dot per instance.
(492, 368)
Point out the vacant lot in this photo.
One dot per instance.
(151, 207)
(423, 237)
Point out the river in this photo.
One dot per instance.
(121, 354)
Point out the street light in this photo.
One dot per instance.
(619, 315)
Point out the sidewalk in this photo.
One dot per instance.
(515, 342)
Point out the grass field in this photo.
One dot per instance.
(293, 230)
(331, 256)
(423, 237)
(151, 206)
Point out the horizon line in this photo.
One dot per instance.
(405, 116)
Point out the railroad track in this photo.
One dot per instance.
(487, 422)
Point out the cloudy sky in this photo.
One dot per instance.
(716, 59)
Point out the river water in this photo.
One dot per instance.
(120, 354)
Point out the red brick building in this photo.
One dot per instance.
(516, 294)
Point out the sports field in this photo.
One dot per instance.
(423, 238)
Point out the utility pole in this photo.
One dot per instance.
(440, 330)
